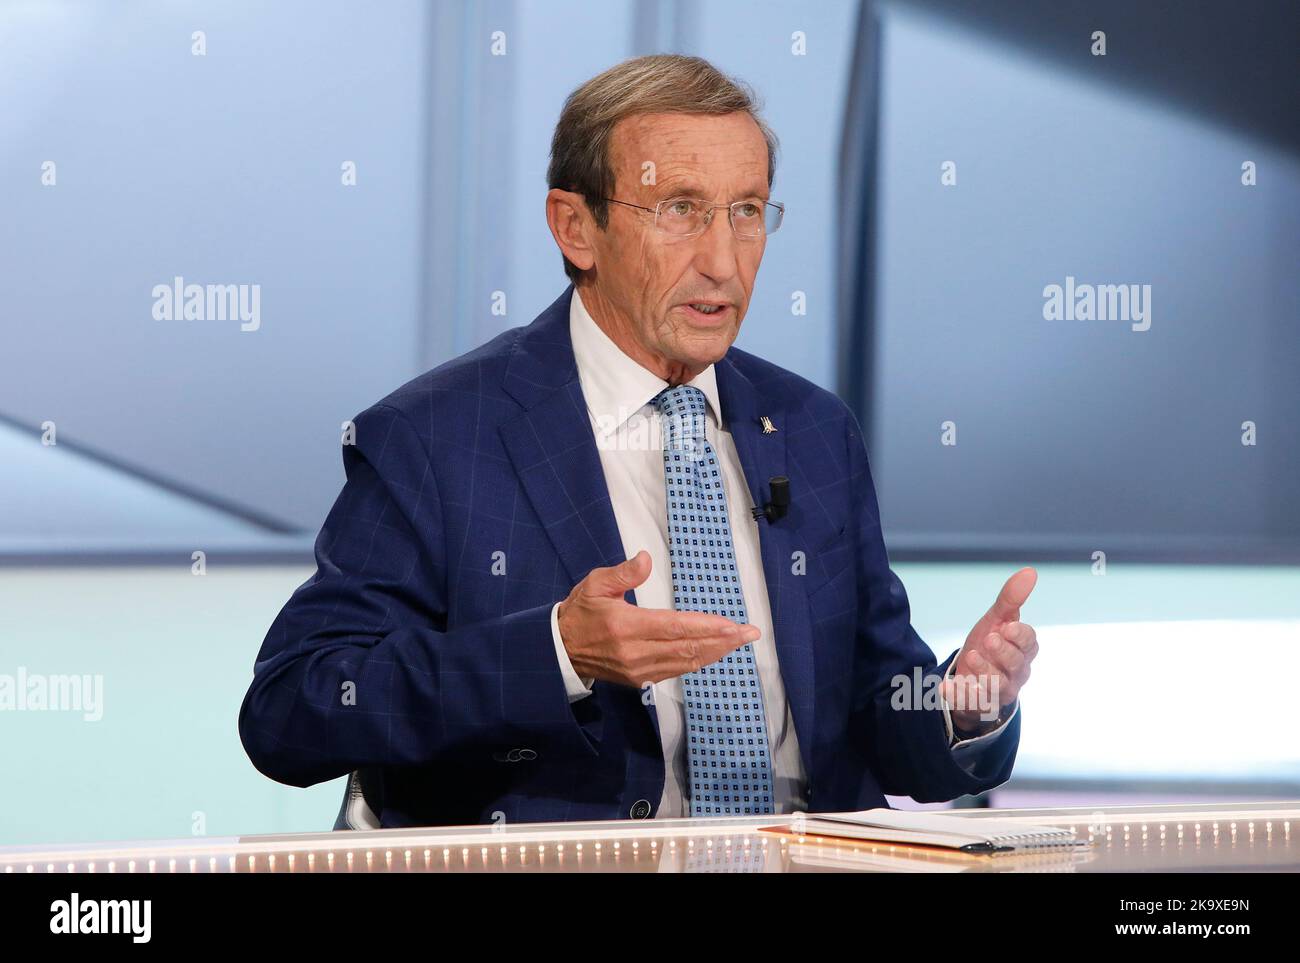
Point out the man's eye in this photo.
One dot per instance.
(748, 210)
(681, 208)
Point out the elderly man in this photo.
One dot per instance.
(563, 579)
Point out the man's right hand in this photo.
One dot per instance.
(609, 639)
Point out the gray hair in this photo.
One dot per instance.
(656, 84)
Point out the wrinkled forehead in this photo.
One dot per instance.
(698, 154)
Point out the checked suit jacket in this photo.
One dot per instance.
(420, 651)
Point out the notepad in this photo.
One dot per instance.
(967, 834)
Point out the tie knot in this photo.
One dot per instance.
(683, 408)
(680, 398)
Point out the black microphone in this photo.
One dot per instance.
(780, 503)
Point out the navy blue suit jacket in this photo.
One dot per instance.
(411, 655)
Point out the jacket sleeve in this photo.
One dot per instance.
(360, 668)
(901, 726)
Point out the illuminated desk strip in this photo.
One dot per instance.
(1252, 836)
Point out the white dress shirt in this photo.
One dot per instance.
(626, 425)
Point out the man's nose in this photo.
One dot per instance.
(715, 248)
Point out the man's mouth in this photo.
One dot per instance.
(711, 311)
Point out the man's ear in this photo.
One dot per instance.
(570, 220)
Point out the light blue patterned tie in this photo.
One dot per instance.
(730, 762)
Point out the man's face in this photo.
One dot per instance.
(647, 279)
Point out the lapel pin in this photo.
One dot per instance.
(768, 427)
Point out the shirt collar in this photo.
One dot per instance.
(615, 386)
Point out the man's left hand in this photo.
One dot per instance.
(994, 661)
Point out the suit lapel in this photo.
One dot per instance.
(552, 448)
(762, 455)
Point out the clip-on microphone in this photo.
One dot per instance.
(780, 502)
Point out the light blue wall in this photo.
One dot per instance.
(1084, 434)
(223, 168)
(226, 168)
(176, 650)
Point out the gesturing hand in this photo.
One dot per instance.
(995, 658)
(607, 638)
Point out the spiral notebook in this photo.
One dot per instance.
(967, 834)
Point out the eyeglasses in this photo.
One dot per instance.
(689, 216)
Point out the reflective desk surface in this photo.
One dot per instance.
(1187, 838)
